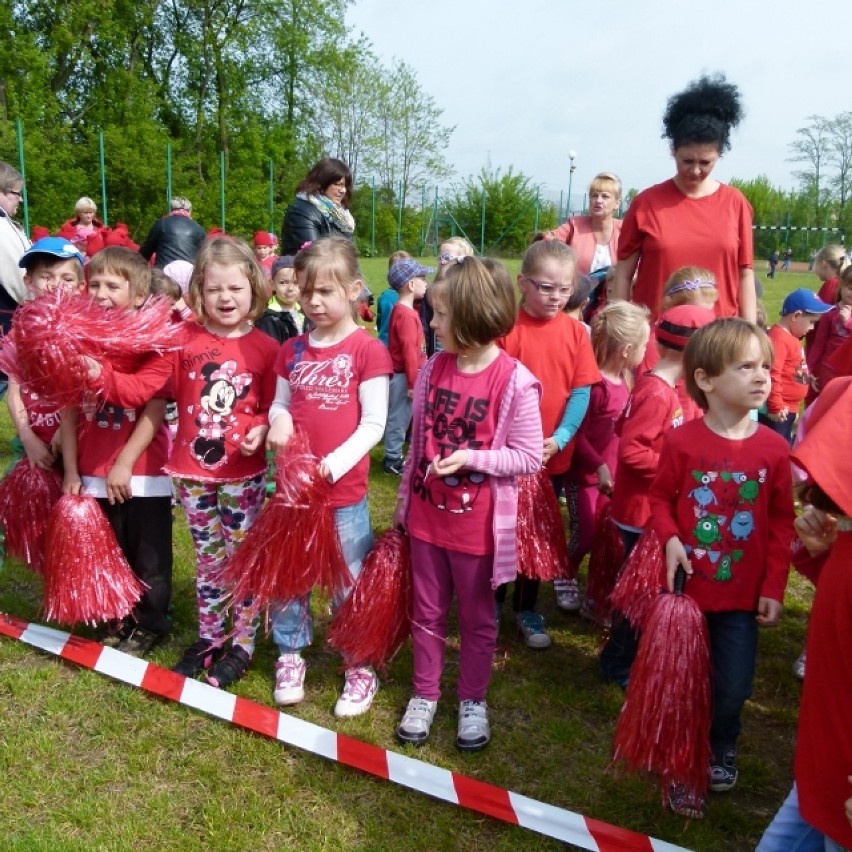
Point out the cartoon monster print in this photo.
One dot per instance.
(456, 493)
(215, 418)
(703, 495)
(750, 488)
(742, 524)
(708, 529)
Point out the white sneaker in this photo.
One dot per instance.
(474, 731)
(416, 721)
(289, 679)
(358, 692)
(567, 595)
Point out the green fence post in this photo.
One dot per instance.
(168, 174)
(19, 130)
(537, 206)
(373, 215)
(482, 226)
(222, 187)
(399, 220)
(104, 215)
(271, 197)
(435, 220)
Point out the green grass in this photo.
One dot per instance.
(92, 764)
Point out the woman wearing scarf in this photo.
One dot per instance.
(320, 208)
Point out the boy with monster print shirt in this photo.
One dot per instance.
(722, 506)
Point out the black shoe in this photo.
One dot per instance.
(114, 633)
(197, 658)
(393, 467)
(139, 642)
(230, 668)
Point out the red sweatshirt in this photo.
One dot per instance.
(731, 504)
(406, 342)
(789, 373)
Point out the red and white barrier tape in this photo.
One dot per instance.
(442, 784)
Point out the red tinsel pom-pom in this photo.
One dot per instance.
(664, 726)
(86, 577)
(27, 496)
(372, 623)
(293, 545)
(604, 564)
(55, 332)
(542, 548)
(640, 582)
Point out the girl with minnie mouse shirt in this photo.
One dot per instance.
(223, 380)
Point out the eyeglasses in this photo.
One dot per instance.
(446, 258)
(15, 192)
(547, 289)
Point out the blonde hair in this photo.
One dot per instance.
(334, 259)
(461, 247)
(834, 257)
(714, 347)
(481, 306)
(397, 255)
(606, 182)
(690, 285)
(85, 203)
(617, 325)
(125, 263)
(227, 251)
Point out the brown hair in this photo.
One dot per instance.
(227, 251)
(327, 171)
(162, 284)
(332, 258)
(714, 347)
(397, 255)
(125, 263)
(481, 306)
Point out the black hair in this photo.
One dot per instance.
(705, 112)
(327, 171)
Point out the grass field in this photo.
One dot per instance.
(93, 765)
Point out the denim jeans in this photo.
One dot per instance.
(733, 648)
(399, 416)
(784, 428)
(292, 623)
(788, 832)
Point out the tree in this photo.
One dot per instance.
(812, 146)
(840, 143)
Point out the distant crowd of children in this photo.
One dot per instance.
(666, 422)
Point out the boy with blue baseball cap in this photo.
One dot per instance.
(789, 374)
(49, 262)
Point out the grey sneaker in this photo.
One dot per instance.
(474, 732)
(531, 625)
(416, 721)
(567, 595)
(724, 772)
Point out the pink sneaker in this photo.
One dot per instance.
(358, 692)
(289, 679)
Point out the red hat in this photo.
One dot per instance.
(263, 238)
(39, 231)
(215, 232)
(676, 325)
(817, 453)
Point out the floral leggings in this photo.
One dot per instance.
(219, 515)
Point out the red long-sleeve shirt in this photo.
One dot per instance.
(789, 372)
(406, 342)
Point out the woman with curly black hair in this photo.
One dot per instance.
(692, 219)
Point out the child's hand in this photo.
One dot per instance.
(118, 483)
(92, 367)
(604, 479)
(551, 448)
(71, 484)
(253, 441)
(280, 431)
(768, 612)
(778, 416)
(816, 529)
(452, 463)
(38, 453)
(675, 557)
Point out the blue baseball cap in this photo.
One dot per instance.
(404, 270)
(805, 301)
(57, 247)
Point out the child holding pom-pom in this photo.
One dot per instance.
(117, 454)
(223, 382)
(332, 385)
(476, 428)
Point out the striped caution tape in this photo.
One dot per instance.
(408, 772)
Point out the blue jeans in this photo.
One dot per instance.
(784, 428)
(788, 832)
(292, 623)
(399, 416)
(733, 649)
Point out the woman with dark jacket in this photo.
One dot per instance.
(321, 206)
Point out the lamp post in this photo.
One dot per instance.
(571, 156)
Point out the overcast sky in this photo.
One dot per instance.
(526, 81)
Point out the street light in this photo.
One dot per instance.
(571, 156)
